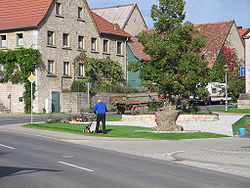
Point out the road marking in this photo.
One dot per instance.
(6, 146)
(75, 166)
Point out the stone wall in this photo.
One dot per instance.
(243, 101)
(11, 97)
(75, 102)
(183, 118)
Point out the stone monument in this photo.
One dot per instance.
(166, 119)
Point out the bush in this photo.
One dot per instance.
(98, 88)
(54, 121)
(78, 86)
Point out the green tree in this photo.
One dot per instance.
(236, 84)
(101, 72)
(176, 66)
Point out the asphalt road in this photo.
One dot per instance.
(39, 162)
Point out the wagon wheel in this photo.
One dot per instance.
(135, 110)
(120, 110)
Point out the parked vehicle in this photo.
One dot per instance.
(136, 102)
(216, 94)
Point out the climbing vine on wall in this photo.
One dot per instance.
(18, 65)
(103, 73)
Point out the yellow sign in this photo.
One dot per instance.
(32, 78)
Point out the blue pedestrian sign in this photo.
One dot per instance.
(242, 71)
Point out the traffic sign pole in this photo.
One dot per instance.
(31, 112)
(32, 79)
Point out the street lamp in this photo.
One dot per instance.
(226, 69)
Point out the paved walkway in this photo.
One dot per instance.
(229, 155)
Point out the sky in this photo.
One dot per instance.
(197, 11)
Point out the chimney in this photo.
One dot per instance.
(239, 27)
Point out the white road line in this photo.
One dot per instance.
(75, 166)
(6, 146)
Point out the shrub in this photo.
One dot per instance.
(78, 86)
(54, 121)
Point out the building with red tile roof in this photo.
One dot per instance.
(244, 31)
(60, 31)
(217, 35)
(128, 17)
(23, 13)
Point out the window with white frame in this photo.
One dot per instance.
(51, 67)
(119, 48)
(66, 68)
(105, 46)
(50, 38)
(19, 39)
(80, 69)
(65, 40)
(58, 8)
(81, 42)
(80, 13)
(3, 41)
(94, 44)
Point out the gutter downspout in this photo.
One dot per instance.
(126, 60)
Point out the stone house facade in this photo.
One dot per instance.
(60, 30)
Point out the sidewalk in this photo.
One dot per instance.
(229, 155)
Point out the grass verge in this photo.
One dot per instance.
(232, 110)
(241, 123)
(113, 118)
(123, 132)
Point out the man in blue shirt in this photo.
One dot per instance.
(100, 110)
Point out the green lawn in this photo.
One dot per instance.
(241, 123)
(113, 118)
(123, 131)
(232, 110)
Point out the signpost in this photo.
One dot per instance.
(88, 85)
(32, 79)
(242, 71)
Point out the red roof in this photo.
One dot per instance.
(138, 48)
(29, 13)
(216, 37)
(22, 13)
(244, 31)
(105, 26)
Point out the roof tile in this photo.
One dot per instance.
(22, 13)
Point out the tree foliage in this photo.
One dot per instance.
(236, 84)
(18, 65)
(101, 72)
(176, 66)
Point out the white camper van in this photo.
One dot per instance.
(216, 94)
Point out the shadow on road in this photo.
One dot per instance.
(14, 171)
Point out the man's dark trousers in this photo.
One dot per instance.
(101, 118)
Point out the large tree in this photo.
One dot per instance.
(176, 65)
